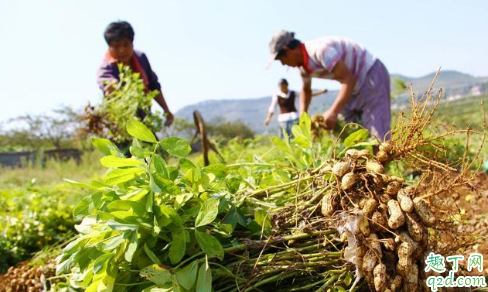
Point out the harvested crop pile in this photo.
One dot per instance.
(304, 223)
(27, 278)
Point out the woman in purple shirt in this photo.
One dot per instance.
(120, 37)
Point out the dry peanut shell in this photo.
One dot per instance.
(379, 274)
(417, 247)
(423, 211)
(385, 146)
(374, 167)
(329, 204)
(369, 207)
(352, 153)
(415, 229)
(348, 180)
(412, 278)
(392, 188)
(341, 168)
(396, 283)
(369, 262)
(364, 226)
(375, 244)
(397, 218)
(406, 203)
(382, 156)
(389, 244)
(404, 253)
(378, 221)
(364, 153)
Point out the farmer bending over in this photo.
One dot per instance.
(119, 37)
(364, 95)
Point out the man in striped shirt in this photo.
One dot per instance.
(365, 83)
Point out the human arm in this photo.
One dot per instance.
(274, 102)
(162, 102)
(305, 94)
(107, 78)
(268, 118)
(155, 85)
(346, 78)
(319, 92)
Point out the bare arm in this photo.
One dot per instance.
(268, 118)
(162, 102)
(274, 102)
(347, 80)
(319, 92)
(305, 95)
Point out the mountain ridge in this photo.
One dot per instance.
(253, 111)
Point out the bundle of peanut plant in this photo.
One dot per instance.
(317, 219)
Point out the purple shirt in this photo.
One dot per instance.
(108, 71)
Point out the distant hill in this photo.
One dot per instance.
(253, 111)
(454, 84)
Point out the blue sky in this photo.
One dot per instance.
(219, 49)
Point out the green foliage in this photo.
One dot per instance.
(223, 130)
(126, 101)
(33, 218)
(160, 226)
(398, 87)
(60, 129)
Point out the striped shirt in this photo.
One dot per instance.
(324, 53)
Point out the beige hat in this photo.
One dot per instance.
(279, 41)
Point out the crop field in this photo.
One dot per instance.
(323, 211)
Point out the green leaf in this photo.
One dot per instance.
(105, 146)
(135, 208)
(112, 243)
(176, 146)
(209, 244)
(166, 185)
(156, 274)
(306, 125)
(83, 207)
(114, 161)
(139, 152)
(151, 255)
(131, 248)
(160, 166)
(220, 170)
(204, 281)
(166, 288)
(80, 185)
(300, 138)
(356, 137)
(208, 212)
(282, 145)
(138, 130)
(263, 219)
(187, 276)
(101, 263)
(186, 165)
(121, 226)
(234, 217)
(121, 175)
(154, 186)
(178, 248)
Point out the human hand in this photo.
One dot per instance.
(330, 119)
(266, 122)
(169, 119)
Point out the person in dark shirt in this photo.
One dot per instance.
(285, 99)
(120, 39)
